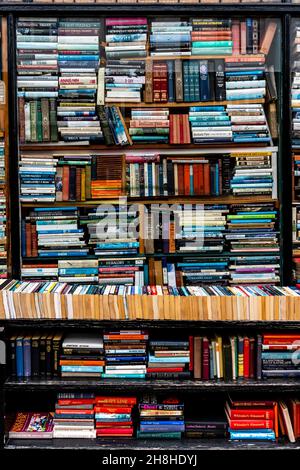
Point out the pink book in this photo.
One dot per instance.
(236, 37)
(125, 21)
(205, 359)
(243, 38)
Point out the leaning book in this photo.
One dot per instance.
(32, 426)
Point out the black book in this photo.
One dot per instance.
(49, 359)
(107, 134)
(35, 356)
(72, 184)
(12, 355)
(170, 178)
(220, 91)
(56, 348)
(227, 359)
(43, 355)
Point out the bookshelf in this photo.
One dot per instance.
(39, 386)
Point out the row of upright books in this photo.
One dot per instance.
(81, 176)
(62, 301)
(136, 354)
(84, 415)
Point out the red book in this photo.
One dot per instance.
(112, 409)
(196, 172)
(112, 424)
(180, 171)
(280, 339)
(76, 401)
(164, 82)
(205, 358)
(186, 170)
(114, 432)
(201, 179)
(171, 132)
(116, 400)
(191, 349)
(73, 412)
(251, 423)
(28, 238)
(250, 413)
(246, 358)
(253, 404)
(252, 356)
(206, 178)
(165, 369)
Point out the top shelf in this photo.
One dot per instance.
(83, 9)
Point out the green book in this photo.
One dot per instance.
(212, 44)
(211, 50)
(33, 120)
(53, 120)
(158, 435)
(255, 215)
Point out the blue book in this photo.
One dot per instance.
(74, 271)
(126, 358)
(252, 435)
(207, 108)
(82, 369)
(171, 74)
(165, 428)
(281, 355)
(53, 254)
(50, 209)
(27, 356)
(19, 357)
(204, 81)
(118, 245)
(180, 359)
(163, 423)
(123, 376)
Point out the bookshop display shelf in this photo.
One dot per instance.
(153, 445)
(157, 385)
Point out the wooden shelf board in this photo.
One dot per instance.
(153, 385)
(155, 58)
(62, 147)
(183, 104)
(157, 200)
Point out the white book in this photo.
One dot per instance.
(83, 341)
(245, 84)
(78, 40)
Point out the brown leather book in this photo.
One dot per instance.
(197, 357)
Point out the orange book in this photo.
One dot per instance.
(65, 362)
(65, 183)
(268, 37)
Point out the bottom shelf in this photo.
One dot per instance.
(148, 445)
